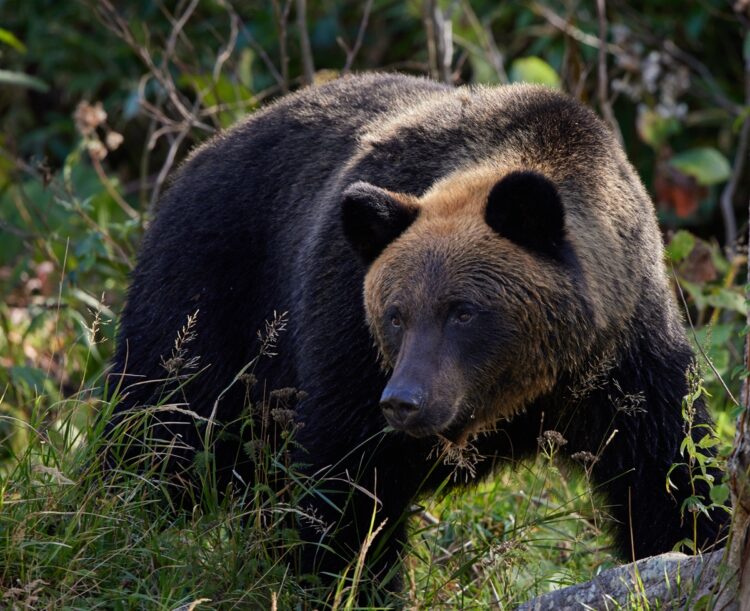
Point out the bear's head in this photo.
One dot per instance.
(470, 295)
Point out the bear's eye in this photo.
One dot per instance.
(395, 321)
(462, 314)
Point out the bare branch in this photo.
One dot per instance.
(428, 18)
(177, 26)
(738, 168)
(254, 44)
(602, 80)
(120, 27)
(304, 42)
(698, 344)
(561, 24)
(352, 53)
(282, 18)
(485, 36)
(444, 43)
(738, 557)
(226, 52)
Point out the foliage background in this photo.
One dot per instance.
(99, 102)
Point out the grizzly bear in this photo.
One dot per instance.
(460, 268)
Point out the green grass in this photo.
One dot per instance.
(71, 538)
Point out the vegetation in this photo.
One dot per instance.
(100, 103)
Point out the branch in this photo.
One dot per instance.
(740, 159)
(304, 42)
(738, 558)
(603, 81)
(575, 33)
(428, 17)
(487, 39)
(673, 580)
(352, 53)
(282, 17)
(444, 41)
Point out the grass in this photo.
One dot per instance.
(71, 538)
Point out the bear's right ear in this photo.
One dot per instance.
(526, 208)
(373, 217)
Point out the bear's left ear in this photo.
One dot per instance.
(373, 217)
(526, 208)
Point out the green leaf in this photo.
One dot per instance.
(746, 48)
(534, 70)
(680, 246)
(708, 441)
(32, 378)
(654, 129)
(19, 79)
(9, 38)
(707, 165)
(728, 299)
(688, 543)
(719, 494)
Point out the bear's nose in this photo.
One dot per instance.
(400, 405)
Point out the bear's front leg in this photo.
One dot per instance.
(634, 427)
(353, 526)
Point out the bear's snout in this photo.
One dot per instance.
(402, 405)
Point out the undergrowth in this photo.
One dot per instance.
(71, 537)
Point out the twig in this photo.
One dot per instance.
(603, 81)
(428, 18)
(559, 23)
(110, 188)
(120, 27)
(352, 53)
(282, 17)
(740, 161)
(444, 43)
(254, 44)
(304, 42)
(695, 336)
(177, 26)
(167, 165)
(485, 36)
(226, 52)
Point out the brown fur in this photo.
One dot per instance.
(450, 253)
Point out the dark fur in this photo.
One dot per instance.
(253, 224)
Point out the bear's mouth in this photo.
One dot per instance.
(447, 422)
(414, 427)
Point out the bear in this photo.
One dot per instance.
(459, 268)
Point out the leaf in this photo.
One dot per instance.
(728, 299)
(719, 494)
(680, 246)
(534, 70)
(708, 441)
(654, 129)
(32, 378)
(9, 38)
(707, 165)
(19, 79)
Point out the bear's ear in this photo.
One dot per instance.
(526, 208)
(373, 217)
